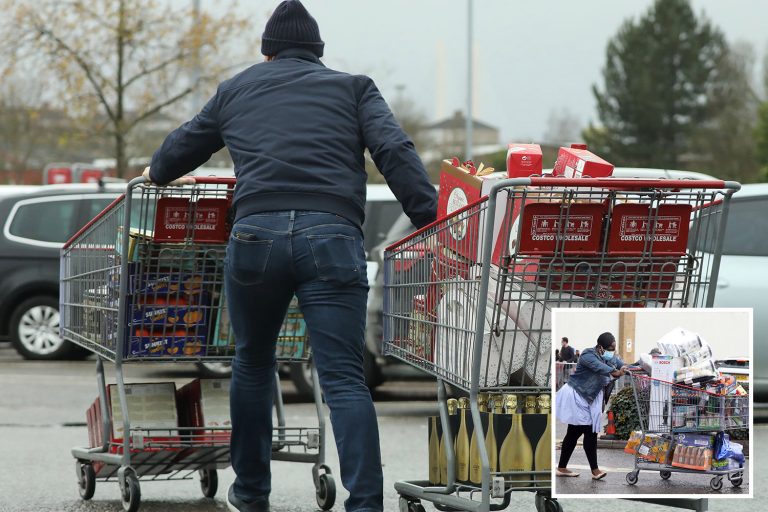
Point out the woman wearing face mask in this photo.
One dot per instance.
(580, 402)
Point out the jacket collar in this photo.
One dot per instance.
(298, 53)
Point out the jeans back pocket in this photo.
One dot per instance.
(247, 258)
(336, 258)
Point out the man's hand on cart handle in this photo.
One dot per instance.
(184, 180)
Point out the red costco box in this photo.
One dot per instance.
(640, 229)
(575, 162)
(560, 227)
(458, 189)
(523, 160)
(173, 220)
(204, 405)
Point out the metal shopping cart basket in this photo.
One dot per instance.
(468, 298)
(677, 422)
(143, 282)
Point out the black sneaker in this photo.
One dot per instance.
(235, 504)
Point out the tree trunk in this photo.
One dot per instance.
(121, 159)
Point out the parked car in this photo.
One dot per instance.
(743, 278)
(38, 220)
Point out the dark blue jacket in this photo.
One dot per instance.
(296, 132)
(592, 373)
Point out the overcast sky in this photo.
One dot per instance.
(532, 57)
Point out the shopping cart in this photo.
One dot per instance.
(143, 282)
(468, 298)
(668, 413)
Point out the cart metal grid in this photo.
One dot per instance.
(143, 282)
(667, 410)
(468, 298)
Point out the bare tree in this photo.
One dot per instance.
(121, 61)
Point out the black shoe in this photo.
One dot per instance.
(235, 504)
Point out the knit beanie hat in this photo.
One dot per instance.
(291, 26)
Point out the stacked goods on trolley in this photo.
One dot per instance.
(686, 406)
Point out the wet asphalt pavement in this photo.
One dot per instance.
(42, 416)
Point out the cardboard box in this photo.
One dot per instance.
(181, 344)
(654, 448)
(150, 406)
(464, 233)
(204, 405)
(550, 228)
(174, 220)
(524, 160)
(639, 229)
(693, 451)
(577, 163)
(662, 374)
(421, 330)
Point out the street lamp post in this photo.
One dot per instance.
(469, 124)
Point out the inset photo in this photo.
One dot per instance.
(652, 402)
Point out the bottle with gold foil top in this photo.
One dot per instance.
(510, 404)
(475, 464)
(462, 442)
(453, 406)
(482, 401)
(530, 404)
(542, 460)
(434, 453)
(495, 407)
(516, 453)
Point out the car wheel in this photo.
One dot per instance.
(34, 330)
(215, 370)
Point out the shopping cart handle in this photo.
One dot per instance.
(631, 183)
(214, 180)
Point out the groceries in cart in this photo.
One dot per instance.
(165, 422)
(517, 438)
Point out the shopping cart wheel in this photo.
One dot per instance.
(552, 505)
(665, 474)
(325, 492)
(86, 480)
(209, 482)
(131, 492)
(407, 505)
(632, 478)
(736, 479)
(716, 483)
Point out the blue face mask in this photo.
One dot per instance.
(608, 355)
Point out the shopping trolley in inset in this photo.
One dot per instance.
(468, 298)
(677, 424)
(143, 282)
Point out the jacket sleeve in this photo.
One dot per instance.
(395, 156)
(188, 146)
(591, 361)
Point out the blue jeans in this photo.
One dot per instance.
(319, 257)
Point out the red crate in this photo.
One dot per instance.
(173, 220)
(565, 228)
(640, 229)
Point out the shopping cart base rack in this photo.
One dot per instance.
(143, 282)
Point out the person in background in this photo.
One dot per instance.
(566, 351)
(297, 132)
(576, 356)
(557, 356)
(580, 402)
